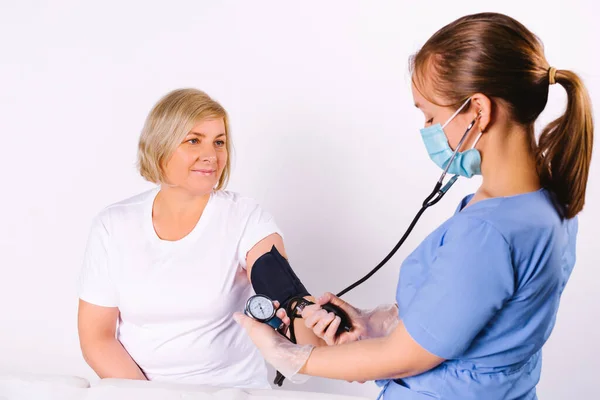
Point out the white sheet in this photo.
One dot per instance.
(59, 387)
(42, 387)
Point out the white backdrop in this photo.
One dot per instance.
(325, 134)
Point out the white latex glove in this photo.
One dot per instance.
(285, 356)
(366, 324)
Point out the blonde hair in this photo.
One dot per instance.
(168, 123)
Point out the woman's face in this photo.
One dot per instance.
(198, 162)
(436, 114)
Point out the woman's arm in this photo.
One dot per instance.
(304, 335)
(394, 356)
(101, 349)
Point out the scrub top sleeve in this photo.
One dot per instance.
(469, 280)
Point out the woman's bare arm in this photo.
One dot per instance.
(304, 335)
(101, 349)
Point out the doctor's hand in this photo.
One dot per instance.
(285, 356)
(325, 324)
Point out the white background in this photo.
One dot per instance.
(326, 137)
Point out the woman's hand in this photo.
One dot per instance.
(281, 314)
(285, 356)
(325, 324)
(366, 324)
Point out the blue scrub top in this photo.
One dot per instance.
(482, 291)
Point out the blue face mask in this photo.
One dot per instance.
(467, 163)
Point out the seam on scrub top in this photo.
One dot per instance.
(493, 227)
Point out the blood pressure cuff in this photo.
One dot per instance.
(272, 276)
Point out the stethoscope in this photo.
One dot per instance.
(435, 196)
(438, 192)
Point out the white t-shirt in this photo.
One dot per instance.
(176, 298)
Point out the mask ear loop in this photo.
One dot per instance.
(458, 146)
(456, 112)
(460, 143)
(477, 139)
(480, 132)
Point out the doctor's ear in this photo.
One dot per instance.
(482, 107)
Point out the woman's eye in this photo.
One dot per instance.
(220, 143)
(193, 141)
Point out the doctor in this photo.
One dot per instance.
(478, 298)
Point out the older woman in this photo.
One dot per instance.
(165, 269)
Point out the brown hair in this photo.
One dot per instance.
(496, 55)
(168, 123)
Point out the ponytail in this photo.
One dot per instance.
(564, 150)
(470, 55)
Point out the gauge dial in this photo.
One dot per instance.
(261, 307)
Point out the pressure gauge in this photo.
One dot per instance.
(262, 309)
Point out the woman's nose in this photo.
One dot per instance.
(207, 155)
(209, 158)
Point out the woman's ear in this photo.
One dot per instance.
(482, 106)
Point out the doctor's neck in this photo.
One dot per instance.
(508, 163)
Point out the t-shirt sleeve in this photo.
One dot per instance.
(259, 225)
(96, 285)
(469, 280)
